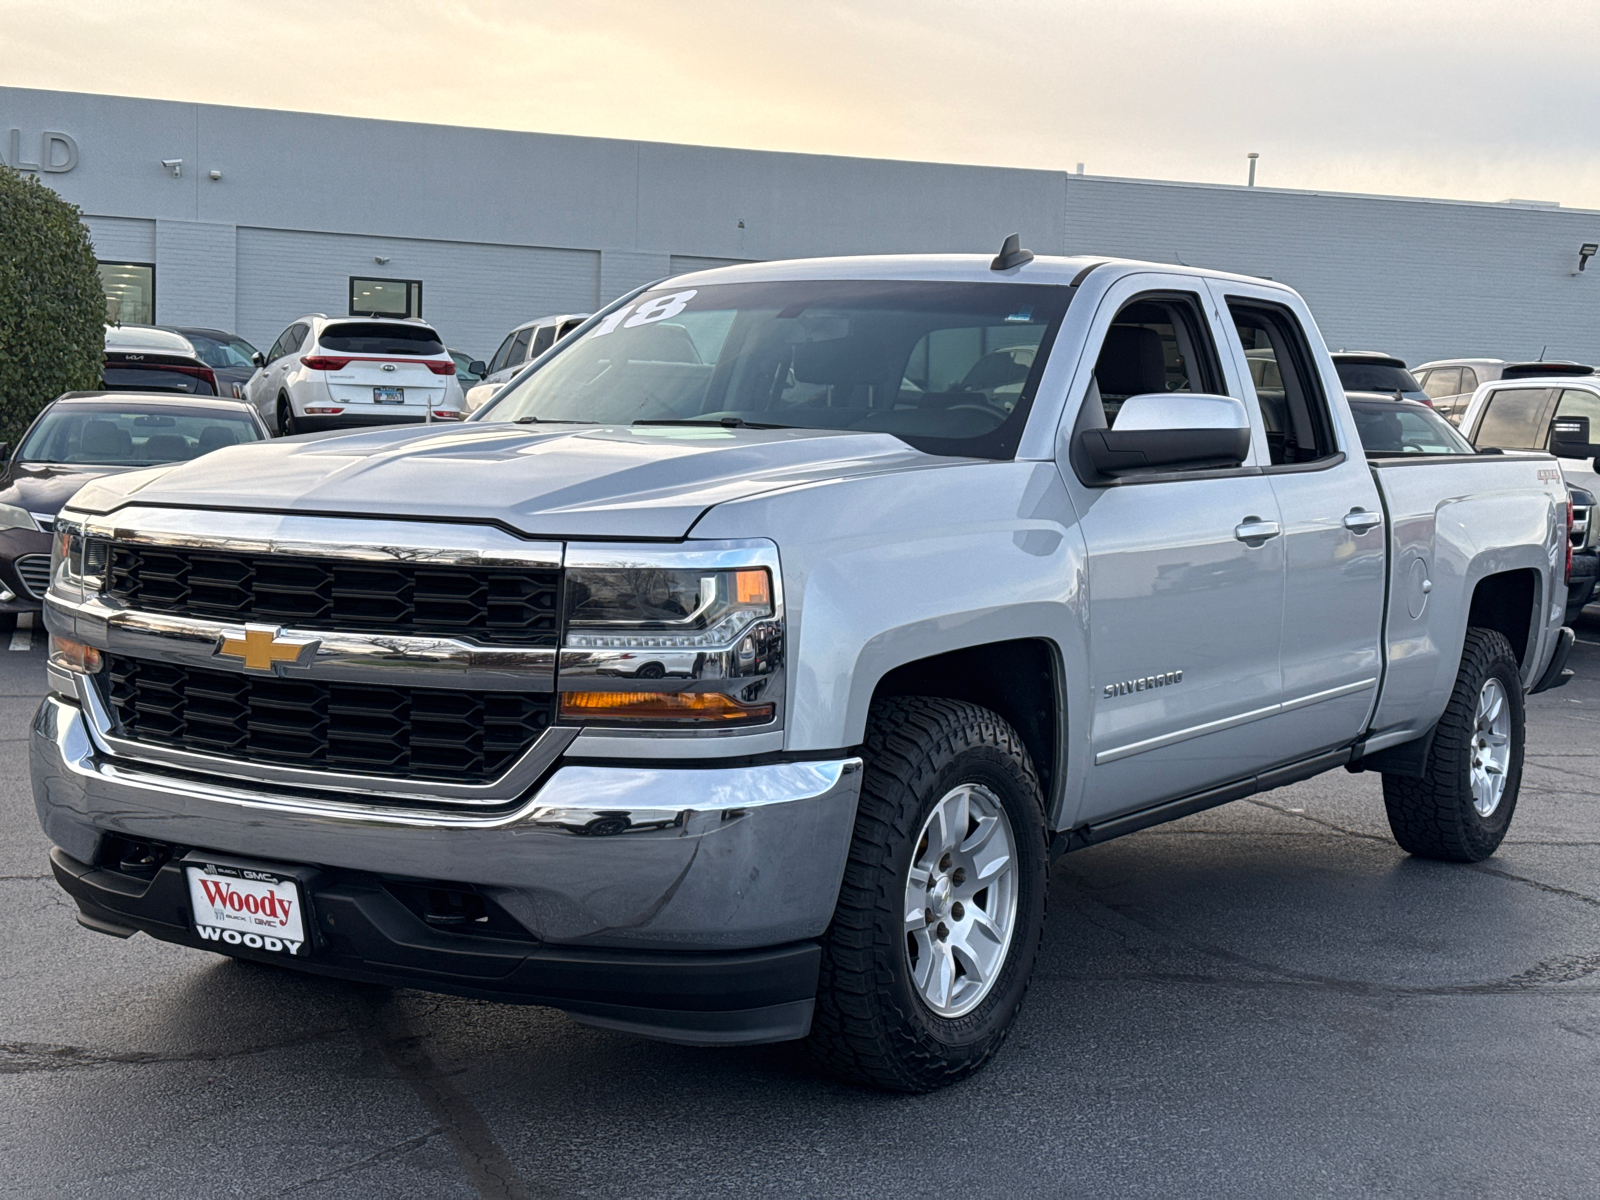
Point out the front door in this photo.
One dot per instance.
(1185, 578)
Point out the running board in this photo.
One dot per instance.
(1171, 810)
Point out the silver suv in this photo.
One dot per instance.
(521, 346)
(1450, 382)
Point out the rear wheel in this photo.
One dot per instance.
(939, 917)
(286, 421)
(1460, 809)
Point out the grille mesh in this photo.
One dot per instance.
(509, 605)
(422, 733)
(34, 571)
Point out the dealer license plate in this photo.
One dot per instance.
(388, 395)
(248, 906)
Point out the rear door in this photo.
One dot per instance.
(1333, 527)
(1185, 572)
(386, 369)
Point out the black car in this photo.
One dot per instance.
(86, 435)
(231, 359)
(144, 358)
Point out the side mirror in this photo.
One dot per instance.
(1569, 438)
(259, 359)
(5, 453)
(478, 367)
(1170, 430)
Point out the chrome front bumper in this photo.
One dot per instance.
(680, 858)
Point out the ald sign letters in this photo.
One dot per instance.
(57, 152)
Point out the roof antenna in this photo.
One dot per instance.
(1011, 254)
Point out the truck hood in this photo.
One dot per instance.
(561, 482)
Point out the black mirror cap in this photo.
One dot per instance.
(259, 359)
(1114, 453)
(1569, 438)
(478, 367)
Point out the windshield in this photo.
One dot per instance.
(117, 437)
(1375, 377)
(214, 352)
(1390, 429)
(950, 368)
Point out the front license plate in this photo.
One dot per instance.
(388, 395)
(247, 906)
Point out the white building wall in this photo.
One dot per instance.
(471, 293)
(122, 239)
(196, 280)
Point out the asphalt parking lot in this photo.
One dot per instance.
(1266, 1000)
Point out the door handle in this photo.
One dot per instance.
(1254, 530)
(1359, 520)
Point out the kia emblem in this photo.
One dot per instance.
(388, 366)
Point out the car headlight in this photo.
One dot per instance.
(650, 644)
(76, 561)
(12, 517)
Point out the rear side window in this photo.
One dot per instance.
(1446, 381)
(543, 340)
(374, 337)
(1514, 419)
(1287, 386)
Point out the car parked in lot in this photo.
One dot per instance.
(339, 372)
(83, 436)
(521, 346)
(231, 359)
(1451, 382)
(1374, 371)
(145, 358)
(949, 566)
(469, 371)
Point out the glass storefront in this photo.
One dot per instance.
(385, 297)
(130, 293)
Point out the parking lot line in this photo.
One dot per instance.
(22, 636)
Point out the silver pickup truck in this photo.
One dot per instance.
(738, 673)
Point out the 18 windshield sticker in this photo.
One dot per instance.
(648, 313)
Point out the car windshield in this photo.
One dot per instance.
(1398, 429)
(215, 352)
(1375, 377)
(130, 437)
(950, 368)
(378, 337)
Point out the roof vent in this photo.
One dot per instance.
(1011, 255)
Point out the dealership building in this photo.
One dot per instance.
(244, 219)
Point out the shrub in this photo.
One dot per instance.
(52, 307)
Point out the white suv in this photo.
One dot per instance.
(522, 345)
(335, 372)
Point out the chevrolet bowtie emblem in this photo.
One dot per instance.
(263, 647)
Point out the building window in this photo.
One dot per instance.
(385, 297)
(130, 293)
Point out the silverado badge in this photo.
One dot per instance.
(264, 647)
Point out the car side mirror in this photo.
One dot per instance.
(5, 453)
(259, 359)
(1173, 431)
(1569, 438)
(478, 367)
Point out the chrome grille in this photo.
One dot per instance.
(419, 733)
(511, 605)
(34, 571)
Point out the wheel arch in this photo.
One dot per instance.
(1510, 603)
(1021, 679)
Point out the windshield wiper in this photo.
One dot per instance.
(549, 421)
(725, 422)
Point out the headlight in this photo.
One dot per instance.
(76, 561)
(12, 517)
(664, 645)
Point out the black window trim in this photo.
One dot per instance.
(409, 283)
(1303, 361)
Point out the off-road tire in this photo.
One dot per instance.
(870, 1025)
(286, 422)
(1433, 817)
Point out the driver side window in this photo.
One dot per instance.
(1155, 344)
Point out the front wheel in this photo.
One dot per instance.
(1460, 809)
(939, 918)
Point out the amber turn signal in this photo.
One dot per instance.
(74, 656)
(751, 587)
(678, 708)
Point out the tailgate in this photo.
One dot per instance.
(1454, 521)
(390, 383)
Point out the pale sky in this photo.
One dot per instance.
(1470, 99)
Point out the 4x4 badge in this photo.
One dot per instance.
(264, 647)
